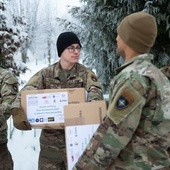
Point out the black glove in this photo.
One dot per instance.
(20, 119)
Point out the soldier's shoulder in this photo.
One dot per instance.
(7, 76)
(81, 66)
(50, 68)
(85, 68)
(6, 73)
(166, 71)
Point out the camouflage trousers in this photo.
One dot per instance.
(6, 162)
(52, 150)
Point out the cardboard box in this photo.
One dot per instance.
(85, 113)
(45, 108)
(81, 121)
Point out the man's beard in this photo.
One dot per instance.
(121, 53)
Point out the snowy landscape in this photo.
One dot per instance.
(24, 145)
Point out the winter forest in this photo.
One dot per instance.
(32, 27)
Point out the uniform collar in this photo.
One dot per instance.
(141, 57)
(58, 71)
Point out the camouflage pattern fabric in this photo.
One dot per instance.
(8, 91)
(135, 134)
(166, 70)
(6, 162)
(52, 155)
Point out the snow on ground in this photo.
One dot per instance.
(24, 145)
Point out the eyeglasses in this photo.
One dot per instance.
(72, 49)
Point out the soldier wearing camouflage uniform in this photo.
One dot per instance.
(135, 134)
(8, 91)
(166, 70)
(67, 73)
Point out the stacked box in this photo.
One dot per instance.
(81, 121)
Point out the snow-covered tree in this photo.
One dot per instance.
(41, 28)
(97, 27)
(11, 38)
(48, 30)
(28, 9)
(161, 10)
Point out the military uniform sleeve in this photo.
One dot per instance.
(166, 71)
(93, 87)
(9, 90)
(35, 82)
(116, 131)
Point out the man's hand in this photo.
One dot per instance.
(19, 119)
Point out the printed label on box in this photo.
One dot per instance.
(46, 108)
(77, 138)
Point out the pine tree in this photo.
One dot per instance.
(161, 50)
(97, 27)
(11, 38)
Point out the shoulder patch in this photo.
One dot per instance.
(125, 100)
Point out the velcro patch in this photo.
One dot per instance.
(124, 100)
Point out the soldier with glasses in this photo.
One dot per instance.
(67, 73)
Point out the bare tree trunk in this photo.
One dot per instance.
(24, 55)
(49, 53)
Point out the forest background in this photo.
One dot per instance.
(35, 25)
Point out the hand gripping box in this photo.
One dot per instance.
(81, 121)
(45, 108)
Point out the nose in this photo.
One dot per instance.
(117, 37)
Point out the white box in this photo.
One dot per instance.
(77, 141)
(45, 108)
(81, 121)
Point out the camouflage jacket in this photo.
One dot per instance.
(8, 91)
(135, 134)
(53, 77)
(166, 71)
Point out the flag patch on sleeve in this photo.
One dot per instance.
(124, 100)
